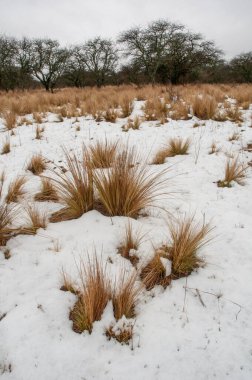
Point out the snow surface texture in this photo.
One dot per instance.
(177, 335)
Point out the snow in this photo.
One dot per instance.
(178, 334)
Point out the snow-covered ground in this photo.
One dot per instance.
(178, 334)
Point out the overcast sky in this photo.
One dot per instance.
(227, 22)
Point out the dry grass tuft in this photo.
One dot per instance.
(74, 188)
(180, 111)
(123, 334)
(131, 242)
(187, 238)
(174, 147)
(124, 295)
(154, 273)
(126, 106)
(111, 115)
(68, 285)
(10, 119)
(35, 219)
(37, 164)
(94, 295)
(102, 154)
(39, 132)
(15, 189)
(234, 172)
(7, 215)
(204, 107)
(37, 117)
(214, 148)
(6, 146)
(48, 192)
(128, 187)
(132, 124)
(234, 137)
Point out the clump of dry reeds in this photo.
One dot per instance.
(35, 219)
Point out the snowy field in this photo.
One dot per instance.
(199, 327)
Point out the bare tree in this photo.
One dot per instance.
(241, 67)
(24, 60)
(48, 62)
(100, 58)
(148, 47)
(8, 71)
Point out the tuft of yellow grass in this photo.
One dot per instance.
(154, 272)
(35, 219)
(234, 172)
(128, 187)
(93, 297)
(175, 146)
(15, 189)
(6, 147)
(131, 241)
(48, 192)
(74, 188)
(204, 107)
(102, 154)
(36, 164)
(7, 216)
(186, 240)
(10, 119)
(122, 334)
(125, 294)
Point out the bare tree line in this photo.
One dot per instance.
(162, 52)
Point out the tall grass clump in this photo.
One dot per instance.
(204, 107)
(7, 215)
(128, 187)
(102, 154)
(186, 240)
(16, 189)
(10, 119)
(74, 188)
(48, 192)
(234, 172)
(94, 294)
(175, 146)
(125, 293)
(37, 164)
(154, 272)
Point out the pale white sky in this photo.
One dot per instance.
(227, 22)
